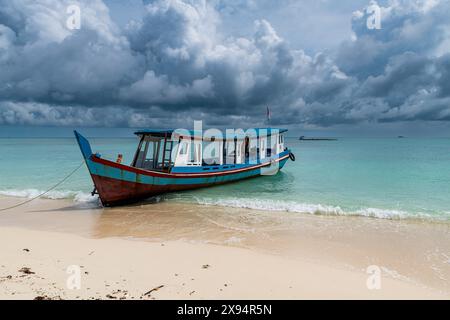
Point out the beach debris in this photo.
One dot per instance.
(26, 250)
(42, 298)
(191, 293)
(26, 270)
(90, 253)
(9, 277)
(118, 294)
(153, 290)
(206, 266)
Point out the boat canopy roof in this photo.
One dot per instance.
(192, 133)
(154, 132)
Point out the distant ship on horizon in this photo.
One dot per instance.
(303, 138)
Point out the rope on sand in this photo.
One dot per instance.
(45, 192)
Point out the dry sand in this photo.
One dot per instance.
(119, 259)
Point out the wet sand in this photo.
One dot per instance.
(256, 254)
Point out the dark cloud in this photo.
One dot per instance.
(175, 64)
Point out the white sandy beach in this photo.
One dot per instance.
(35, 256)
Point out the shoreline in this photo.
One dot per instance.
(308, 255)
(83, 199)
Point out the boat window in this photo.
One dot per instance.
(252, 151)
(192, 152)
(229, 152)
(145, 158)
(240, 152)
(141, 154)
(183, 147)
(195, 153)
(154, 153)
(271, 149)
(211, 152)
(198, 157)
(262, 149)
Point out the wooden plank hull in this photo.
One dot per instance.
(115, 192)
(117, 186)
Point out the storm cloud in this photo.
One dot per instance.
(177, 64)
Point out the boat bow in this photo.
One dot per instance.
(84, 144)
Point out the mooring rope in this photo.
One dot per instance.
(45, 192)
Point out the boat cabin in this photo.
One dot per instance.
(163, 150)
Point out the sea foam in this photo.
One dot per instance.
(308, 208)
(77, 196)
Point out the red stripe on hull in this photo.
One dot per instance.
(178, 175)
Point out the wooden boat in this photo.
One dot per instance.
(167, 161)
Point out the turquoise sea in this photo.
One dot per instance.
(378, 177)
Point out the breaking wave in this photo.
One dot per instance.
(316, 209)
(77, 196)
